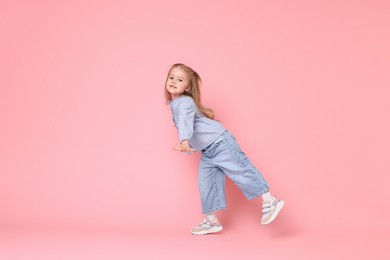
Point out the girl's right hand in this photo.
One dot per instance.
(184, 147)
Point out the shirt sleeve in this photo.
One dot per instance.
(185, 124)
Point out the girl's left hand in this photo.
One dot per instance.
(184, 147)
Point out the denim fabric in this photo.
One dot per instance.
(224, 157)
(192, 125)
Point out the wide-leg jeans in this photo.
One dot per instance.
(224, 157)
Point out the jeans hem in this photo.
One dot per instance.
(212, 210)
(257, 195)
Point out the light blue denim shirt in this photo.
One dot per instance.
(192, 125)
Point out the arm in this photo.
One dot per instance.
(185, 124)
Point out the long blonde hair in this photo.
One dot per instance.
(194, 92)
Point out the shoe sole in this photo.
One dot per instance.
(209, 231)
(279, 207)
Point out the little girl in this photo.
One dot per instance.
(221, 154)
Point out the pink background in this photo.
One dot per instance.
(86, 138)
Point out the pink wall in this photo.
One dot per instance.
(85, 136)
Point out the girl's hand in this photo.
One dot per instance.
(184, 147)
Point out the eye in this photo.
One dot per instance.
(180, 80)
(170, 77)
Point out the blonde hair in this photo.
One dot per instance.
(194, 92)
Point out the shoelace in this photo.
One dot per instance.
(205, 222)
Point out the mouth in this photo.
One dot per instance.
(172, 86)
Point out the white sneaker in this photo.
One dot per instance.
(271, 210)
(207, 227)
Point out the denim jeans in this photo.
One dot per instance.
(224, 157)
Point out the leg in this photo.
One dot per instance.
(212, 194)
(237, 166)
(211, 181)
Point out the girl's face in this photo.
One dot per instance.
(177, 82)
